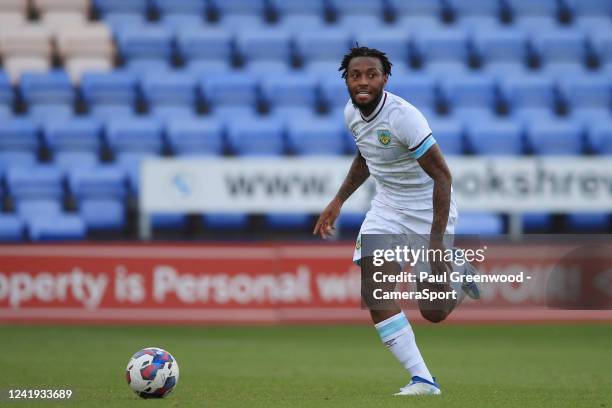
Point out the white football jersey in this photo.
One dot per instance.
(391, 140)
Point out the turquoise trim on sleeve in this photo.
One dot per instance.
(424, 147)
(392, 327)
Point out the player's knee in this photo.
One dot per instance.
(434, 316)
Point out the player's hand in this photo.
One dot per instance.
(325, 224)
(437, 263)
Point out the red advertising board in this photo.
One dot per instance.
(239, 283)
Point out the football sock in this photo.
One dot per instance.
(396, 333)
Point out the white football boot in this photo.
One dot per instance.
(420, 386)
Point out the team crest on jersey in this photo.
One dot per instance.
(358, 243)
(384, 136)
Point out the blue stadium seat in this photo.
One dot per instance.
(588, 98)
(334, 93)
(121, 6)
(45, 112)
(14, 159)
(555, 138)
(130, 162)
(265, 45)
(529, 91)
(201, 68)
(295, 14)
(35, 182)
(28, 209)
(18, 134)
(430, 8)
(175, 89)
(449, 136)
(599, 136)
(11, 228)
(70, 160)
(168, 112)
(58, 228)
(230, 89)
(79, 134)
(145, 43)
(394, 42)
(499, 49)
(286, 221)
(443, 49)
(590, 15)
(322, 45)
(135, 135)
(350, 220)
(560, 47)
(533, 222)
(118, 21)
(117, 88)
(102, 214)
(165, 221)
(534, 15)
(585, 222)
(245, 7)
(470, 91)
(473, 223)
(469, 11)
(420, 89)
(195, 137)
(364, 7)
(6, 90)
(52, 87)
(145, 66)
(225, 221)
(98, 182)
(503, 137)
(319, 137)
(259, 137)
(204, 44)
(107, 112)
(602, 46)
(290, 90)
(176, 23)
(182, 7)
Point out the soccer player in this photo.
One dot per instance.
(414, 197)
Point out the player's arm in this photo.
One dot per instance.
(357, 175)
(434, 165)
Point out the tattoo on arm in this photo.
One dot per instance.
(357, 175)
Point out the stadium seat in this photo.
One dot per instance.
(195, 137)
(240, 7)
(476, 13)
(99, 182)
(588, 98)
(599, 137)
(59, 20)
(12, 18)
(45, 112)
(175, 89)
(75, 160)
(58, 228)
(503, 137)
(259, 137)
(47, 88)
(204, 44)
(265, 45)
(320, 137)
(35, 182)
(225, 221)
(91, 40)
(420, 89)
(181, 7)
(50, 6)
(590, 16)
(202, 68)
(533, 15)
(79, 134)
(470, 91)
(31, 40)
(443, 49)
(121, 6)
(135, 135)
(487, 224)
(76, 67)
(602, 47)
(16, 66)
(130, 162)
(102, 214)
(555, 138)
(165, 221)
(11, 228)
(6, 91)
(28, 209)
(18, 134)
(528, 91)
(416, 15)
(17, 6)
(501, 46)
(145, 43)
(334, 93)
(537, 222)
(290, 90)
(230, 89)
(117, 88)
(322, 45)
(283, 221)
(560, 47)
(449, 136)
(394, 42)
(14, 159)
(118, 22)
(585, 222)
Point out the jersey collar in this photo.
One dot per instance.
(376, 111)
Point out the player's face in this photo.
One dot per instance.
(365, 80)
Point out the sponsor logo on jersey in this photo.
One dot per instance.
(384, 136)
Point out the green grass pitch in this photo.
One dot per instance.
(312, 366)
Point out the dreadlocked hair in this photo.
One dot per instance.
(358, 51)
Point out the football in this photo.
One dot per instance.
(152, 373)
